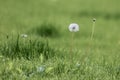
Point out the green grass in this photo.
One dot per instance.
(45, 53)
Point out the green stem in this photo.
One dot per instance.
(90, 42)
(72, 46)
(93, 30)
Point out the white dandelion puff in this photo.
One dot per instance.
(73, 27)
(41, 69)
(24, 35)
(77, 65)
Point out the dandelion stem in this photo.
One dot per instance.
(93, 30)
(92, 35)
(72, 45)
(91, 38)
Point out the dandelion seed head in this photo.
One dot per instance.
(24, 35)
(73, 27)
(41, 69)
(77, 65)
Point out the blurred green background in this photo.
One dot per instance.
(52, 18)
(22, 16)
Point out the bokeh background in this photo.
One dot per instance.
(48, 45)
(23, 16)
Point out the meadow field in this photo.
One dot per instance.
(36, 44)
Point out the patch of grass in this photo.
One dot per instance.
(23, 58)
(19, 47)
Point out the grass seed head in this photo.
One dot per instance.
(94, 19)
